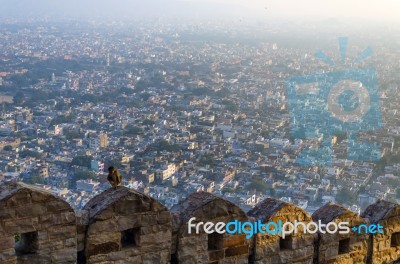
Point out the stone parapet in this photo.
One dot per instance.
(124, 226)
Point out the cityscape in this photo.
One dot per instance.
(183, 108)
(199, 132)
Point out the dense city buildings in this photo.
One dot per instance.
(180, 109)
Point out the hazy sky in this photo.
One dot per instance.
(366, 9)
(371, 9)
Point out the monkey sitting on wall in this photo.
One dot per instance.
(114, 178)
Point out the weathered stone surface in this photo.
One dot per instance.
(207, 208)
(64, 256)
(270, 247)
(45, 223)
(124, 226)
(236, 251)
(329, 243)
(101, 249)
(385, 250)
(7, 243)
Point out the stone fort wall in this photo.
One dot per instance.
(125, 226)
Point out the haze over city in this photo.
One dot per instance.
(371, 10)
(119, 120)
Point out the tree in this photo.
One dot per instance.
(257, 184)
(133, 130)
(148, 122)
(36, 178)
(71, 134)
(340, 136)
(61, 119)
(163, 145)
(272, 192)
(126, 90)
(83, 161)
(19, 98)
(33, 154)
(346, 196)
(84, 175)
(8, 148)
(145, 96)
(398, 193)
(207, 159)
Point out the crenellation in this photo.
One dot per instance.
(295, 248)
(384, 247)
(340, 248)
(41, 229)
(209, 248)
(125, 226)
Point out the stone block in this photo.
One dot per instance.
(302, 241)
(303, 253)
(97, 259)
(106, 214)
(106, 226)
(286, 256)
(21, 198)
(151, 258)
(64, 256)
(7, 254)
(103, 237)
(71, 242)
(149, 219)
(136, 259)
(56, 206)
(164, 217)
(34, 259)
(46, 247)
(57, 219)
(7, 213)
(7, 243)
(129, 207)
(124, 222)
(235, 240)
(12, 260)
(331, 252)
(30, 210)
(43, 235)
(22, 225)
(40, 197)
(155, 238)
(80, 242)
(118, 255)
(214, 255)
(62, 232)
(236, 251)
(101, 249)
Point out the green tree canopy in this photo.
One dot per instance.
(8, 148)
(257, 184)
(84, 175)
(163, 145)
(83, 161)
(346, 196)
(133, 130)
